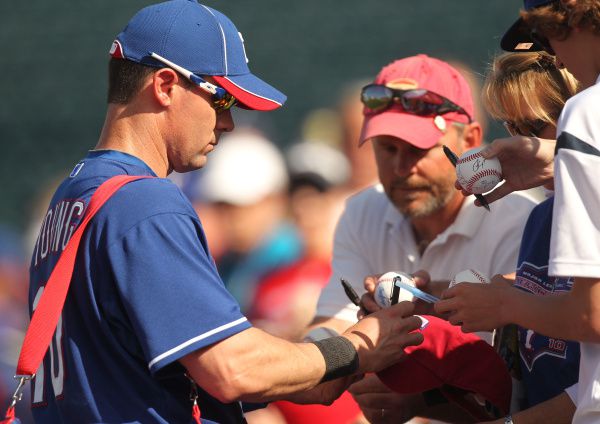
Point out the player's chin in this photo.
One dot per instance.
(197, 162)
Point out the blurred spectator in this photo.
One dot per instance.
(362, 160)
(286, 300)
(13, 317)
(246, 180)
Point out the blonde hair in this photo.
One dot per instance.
(521, 86)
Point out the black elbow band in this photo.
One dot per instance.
(341, 358)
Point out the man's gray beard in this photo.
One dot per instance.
(432, 205)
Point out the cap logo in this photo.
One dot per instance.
(440, 123)
(402, 84)
(116, 50)
(523, 46)
(243, 46)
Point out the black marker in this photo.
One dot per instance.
(352, 295)
(454, 159)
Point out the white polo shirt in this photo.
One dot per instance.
(575, 240)
(372, 237)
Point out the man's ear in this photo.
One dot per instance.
(163, 82)
(472, 136)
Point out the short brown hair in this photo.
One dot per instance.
(521, 84)
(125, 79)
(557, 19)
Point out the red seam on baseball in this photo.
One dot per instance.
(479, 174)
(470, 157)
(479, 276)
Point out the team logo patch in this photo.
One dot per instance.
(402, 84)
(76, 170)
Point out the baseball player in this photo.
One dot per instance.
(148, 332)
(415, 219)
(569, 30)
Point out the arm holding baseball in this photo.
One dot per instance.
(558, 410)
(574, 315)
(526, 162)
(255, 366)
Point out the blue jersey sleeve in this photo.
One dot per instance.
(173, 296)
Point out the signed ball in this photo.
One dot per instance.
(477, 174)
(385, 288)
(469, 276)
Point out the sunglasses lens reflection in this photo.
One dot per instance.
(377, 97)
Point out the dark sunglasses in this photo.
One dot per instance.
(541, 41)
(527, 128)
(221, 99)
(376, 98)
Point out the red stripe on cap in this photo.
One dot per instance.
(248, 99)
(116, 50)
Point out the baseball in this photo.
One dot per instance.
(469, 276)
(477, 174)
(385, 287)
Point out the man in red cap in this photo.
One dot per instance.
(415, 219)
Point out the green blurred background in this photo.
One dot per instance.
(55, 54)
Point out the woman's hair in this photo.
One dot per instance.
(520, 86)
(557, 19)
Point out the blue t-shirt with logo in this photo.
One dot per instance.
(145, 292)
(548, 365)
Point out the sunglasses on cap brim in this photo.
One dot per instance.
(221, 99)
(377, 98)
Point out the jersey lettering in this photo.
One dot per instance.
(57, 368)
(57, 228)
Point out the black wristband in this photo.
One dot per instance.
(341, 358)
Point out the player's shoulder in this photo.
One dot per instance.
(147, 197)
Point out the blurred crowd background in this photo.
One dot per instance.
(271, 194)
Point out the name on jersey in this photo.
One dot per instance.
(57, 228)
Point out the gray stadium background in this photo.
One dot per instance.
(54, 58)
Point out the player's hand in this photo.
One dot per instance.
(382, 406)
(527, 162)
(477, 307)
(367, 300)
(380, 338)
(422, 281)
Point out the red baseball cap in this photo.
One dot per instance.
(419, 71)
(449, 359)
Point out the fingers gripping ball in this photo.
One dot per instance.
(385, 288)
(469, 276)
(476, 174)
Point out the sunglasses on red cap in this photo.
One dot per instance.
(377, 98)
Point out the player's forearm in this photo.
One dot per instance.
(574, 315)
(254, 366)
(557, 410)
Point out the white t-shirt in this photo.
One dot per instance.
(372, 237)
(575, 241)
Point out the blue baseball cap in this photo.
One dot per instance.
(200, 39)
(518, 37)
